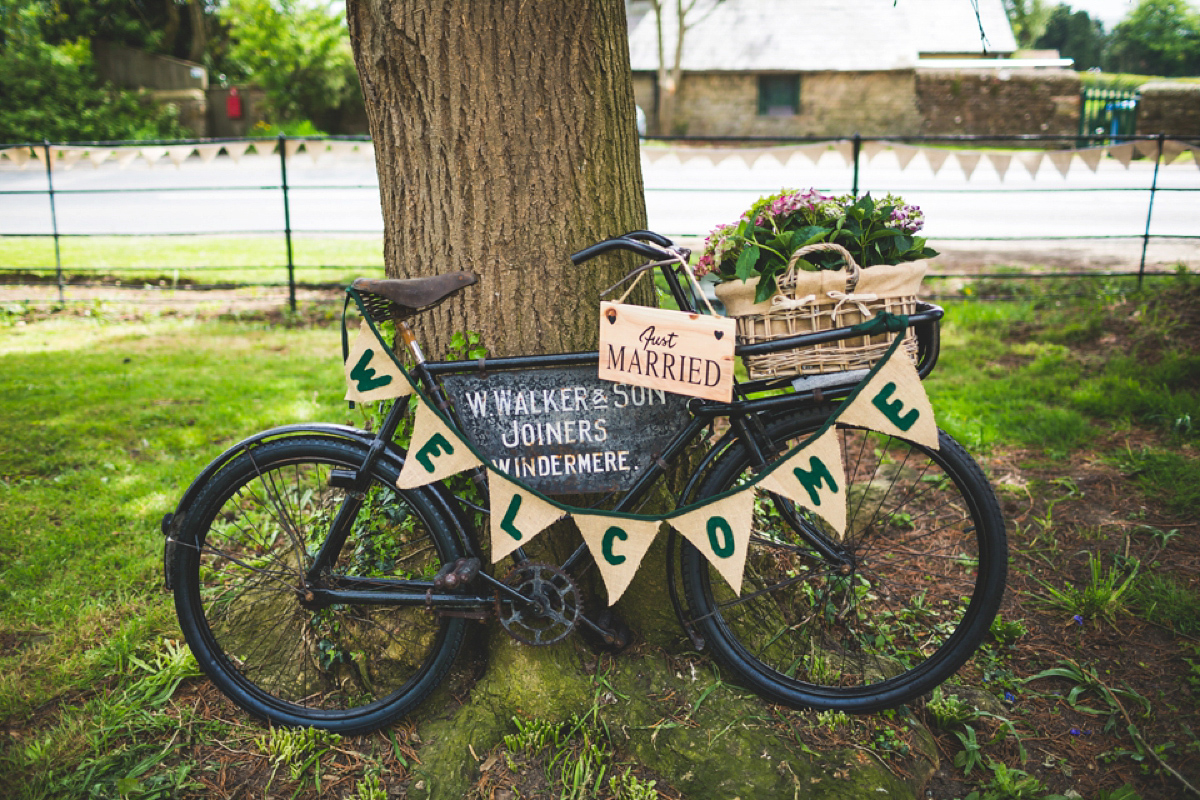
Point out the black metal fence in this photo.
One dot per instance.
(276, 183)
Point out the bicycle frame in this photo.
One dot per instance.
(751, 405)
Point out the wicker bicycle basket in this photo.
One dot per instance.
(808, 302)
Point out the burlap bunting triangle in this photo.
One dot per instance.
(371, 374)
(721, 531)
(893, 401)
(1000, 163)
(936, 158)
(1061, 159)
(517, 515)
(968, 162)
(815, 479)
(618, 547)
(1091, 156)
(435, 451)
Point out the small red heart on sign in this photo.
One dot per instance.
(719, 334)
(612, 316)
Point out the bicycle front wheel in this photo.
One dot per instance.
(244, 594)
(920, 577)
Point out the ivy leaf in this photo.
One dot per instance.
(746, 261)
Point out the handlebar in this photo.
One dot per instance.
(647, 244)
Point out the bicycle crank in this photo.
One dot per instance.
(550, 608)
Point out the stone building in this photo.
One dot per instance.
(832, 68)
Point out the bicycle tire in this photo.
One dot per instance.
(240, 557)
(928, 564)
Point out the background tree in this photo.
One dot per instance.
(673, 19)
(51, 91)
(1075, 35)
(298, 52)
(1159, 37)
(1028, 19)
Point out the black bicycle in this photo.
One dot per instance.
(314, 592)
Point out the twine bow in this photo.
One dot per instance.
(782, 303)
(859, 300)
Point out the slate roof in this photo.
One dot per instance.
(803, 35)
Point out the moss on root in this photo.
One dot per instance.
(708, 739)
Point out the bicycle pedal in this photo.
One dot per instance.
(456, 575)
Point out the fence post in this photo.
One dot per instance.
(857, 150)
(287, 222)
(53, 219)
(1150, 209)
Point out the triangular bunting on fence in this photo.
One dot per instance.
(936, 158)
(1031, 160)
(815, 479)
(18, 155)
(905, 153)
(517, 515)
(435, 451)
(1147, 148)
(1091, 156)
(207, 152)
(236, 150)
(371, 374)
(341, 149)
(1061, 159)
(752, 155)
(873, 148)
(618, 546)
(655, 154)
(1123, 153)
(315, 149)
(99, 156)
(845, 148)
(809, 152)
(721, 531)
(1000, 163)
(1172, 149)
(291, 146)
(177, 155)
(153, 154)
(894, 402)
(125, 156)
(68, 157)
(1195, 151)
(968, 162)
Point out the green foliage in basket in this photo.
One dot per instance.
(764, 239)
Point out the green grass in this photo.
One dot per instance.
(105, 424)
(108, 420)
(197, 259)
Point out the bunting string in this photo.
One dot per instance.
(890, 399)
(330, 152)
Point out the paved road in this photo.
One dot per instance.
(683, 199)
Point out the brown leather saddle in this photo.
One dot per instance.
(400, 298)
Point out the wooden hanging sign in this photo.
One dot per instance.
(678, 352)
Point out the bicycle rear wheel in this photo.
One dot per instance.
(245, 602)
(924, 572)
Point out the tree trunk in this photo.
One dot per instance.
(505, 140)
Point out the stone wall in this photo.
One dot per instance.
(1171, 108)
(831, 104)
(903, 102)
(1004, 101)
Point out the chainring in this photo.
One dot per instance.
(551, 609)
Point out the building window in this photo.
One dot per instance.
(778, 95)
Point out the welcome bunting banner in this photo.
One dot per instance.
(814, 478)
(518, 514)
(619, 545)
(435, 452)
(371, 374)
(891, 400)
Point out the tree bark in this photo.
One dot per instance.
(505, 140)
